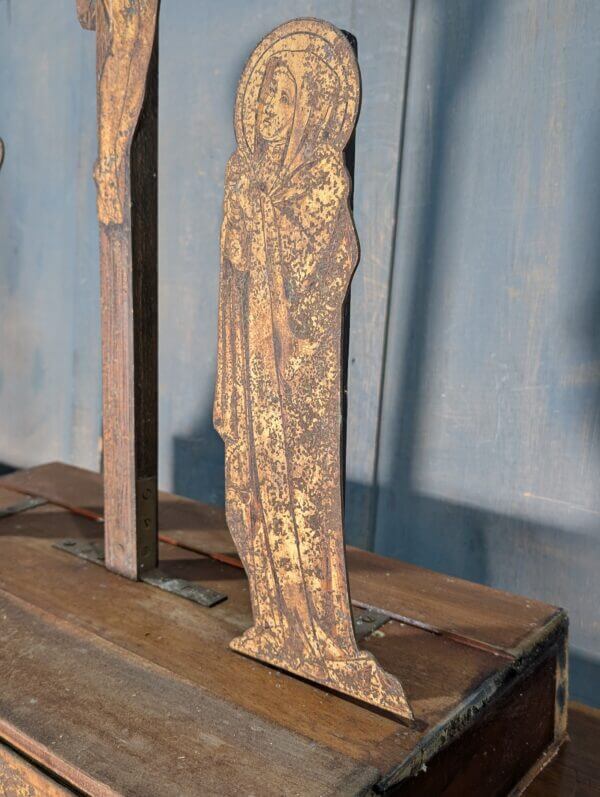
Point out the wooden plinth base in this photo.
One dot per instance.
(110, 687)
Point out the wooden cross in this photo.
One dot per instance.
(126, 178)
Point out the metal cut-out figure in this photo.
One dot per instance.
(289, 250)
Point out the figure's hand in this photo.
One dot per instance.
(232, 248)
(293, 359)
(247, 197)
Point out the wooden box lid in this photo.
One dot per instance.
(117, 687)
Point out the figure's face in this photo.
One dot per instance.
(276, 111)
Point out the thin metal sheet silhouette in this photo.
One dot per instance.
(288, 252)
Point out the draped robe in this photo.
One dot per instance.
(288, 253)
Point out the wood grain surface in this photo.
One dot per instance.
(489, 618)
(451, 680)
(173, 749)
(575, 772)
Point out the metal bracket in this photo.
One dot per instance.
(29, 502)
(367, 621)
(93, 551)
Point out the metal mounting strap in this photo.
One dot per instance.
(367, 621)
(93, 551)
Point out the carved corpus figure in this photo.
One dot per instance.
(288, 250)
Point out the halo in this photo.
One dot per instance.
(310, 35)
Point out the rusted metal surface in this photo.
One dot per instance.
(289, 250)
(93, 551)
(205, 596)
(126, 178)
(368, 621)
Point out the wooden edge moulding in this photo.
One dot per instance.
(393, 679)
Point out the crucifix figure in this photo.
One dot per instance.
(126, 178)
(288, 252)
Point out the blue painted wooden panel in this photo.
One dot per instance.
(49, 349)
(490, 449)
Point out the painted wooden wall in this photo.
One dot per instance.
(474, 385)
(489, 461)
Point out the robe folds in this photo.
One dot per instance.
(288, 252)
(288, 256)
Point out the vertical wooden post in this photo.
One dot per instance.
(126, 177)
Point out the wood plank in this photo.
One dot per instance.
(192, 642)
(82, 490)
(111, 723)
(448, 682)
(19, 778)
(9, 498)
(449, 605)
(62, 484)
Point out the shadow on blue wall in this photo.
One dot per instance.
(438, 534)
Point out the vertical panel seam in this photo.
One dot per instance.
(372, 531)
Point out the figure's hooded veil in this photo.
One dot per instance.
(319, 65)
(322, 64)
(317, 92)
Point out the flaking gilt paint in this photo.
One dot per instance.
(288, 252)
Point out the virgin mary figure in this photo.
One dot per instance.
(289, 249)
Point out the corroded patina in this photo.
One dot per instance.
(289, 250)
